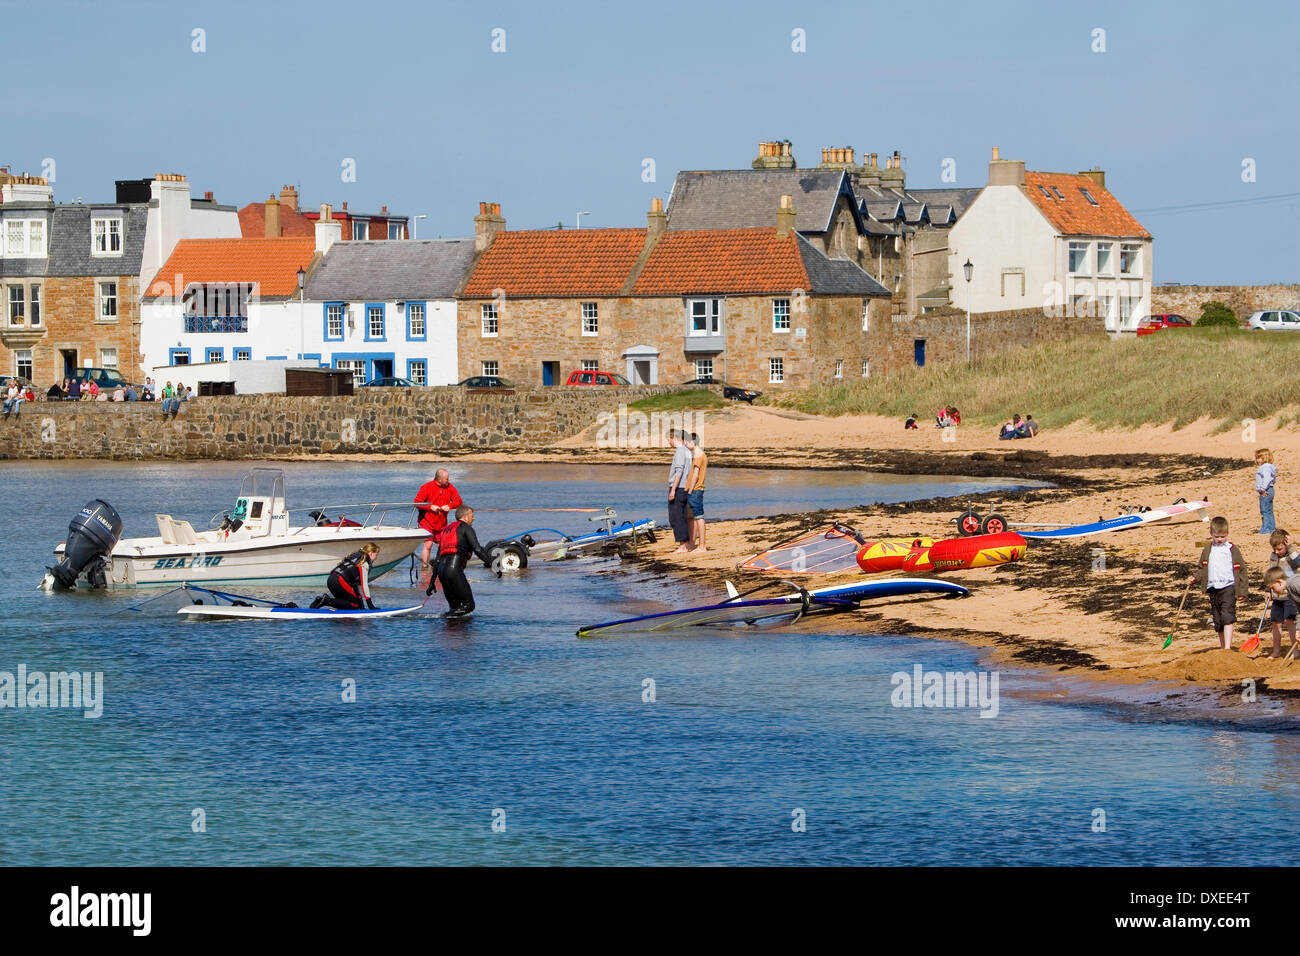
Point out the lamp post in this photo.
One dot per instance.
(968, 269)
(415, 231)
(585, 212)
(302, 326)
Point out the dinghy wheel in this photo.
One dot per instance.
(993, 524)
(508, 555)
(969, 522)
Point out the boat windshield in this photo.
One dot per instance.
(263, 483)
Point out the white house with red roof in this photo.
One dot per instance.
(1060, 242)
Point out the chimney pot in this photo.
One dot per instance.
(995, 153)
(326, 213)
(208, 195)
(656, 205)
(345, 205)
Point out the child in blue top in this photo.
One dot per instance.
(1265, 479)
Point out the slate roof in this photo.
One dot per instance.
(68, 239)
(1072, 214)
(827, 276)
(557, 263)
(749, 198)
(958, 199)
(272, 264)
(391, 271)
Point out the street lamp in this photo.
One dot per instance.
(415, 231)
(968, 269)
(585, 212)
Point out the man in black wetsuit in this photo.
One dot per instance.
(456, 543)
(349, 582)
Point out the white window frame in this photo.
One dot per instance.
(700, 368)
(490, 321)
(1105, 258)
(420, 377)
(491, 367)
(104, 353)
(712, 317)
(590, 365)
(839, 368)
(243, 354)
(375, 321)
(776, 370)
(330, 311)
(26, 233)
(1135, 263)
(364, 226)
(394, 227)
(101, 299)
(108, 235)
(866, 368)
(1082, 248)
(15, 228)
(590, 318)
(356, 366)
(19, 362)
(412, 310)
(35, 301)
(778, 316)
(19, 318)
(866, 315)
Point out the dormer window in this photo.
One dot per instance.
(1043, 190)
(1088, 196)
(106, 237)
(24, 237)
(1058, 193)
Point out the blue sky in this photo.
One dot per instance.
(563, 119)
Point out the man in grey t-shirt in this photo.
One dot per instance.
(681, 466)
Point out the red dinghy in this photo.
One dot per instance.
(957, 554)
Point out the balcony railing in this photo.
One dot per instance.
(216, 323)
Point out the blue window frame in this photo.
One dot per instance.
(173, 354)
(418, 365)
(243, 355)
(420, 332)
(376, 321)
(214, 354)
(334, 314)
(308, 356)
(277, 358)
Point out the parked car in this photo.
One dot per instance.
(1276, 320)
(106, 378)
(1154, 323)
(486, 381)
(734, 392)
(389, 381)
(596, 378)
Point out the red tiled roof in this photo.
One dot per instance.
(723, 260)
(271, 263)
(562, 262)
(1074, 215)
(252, 222)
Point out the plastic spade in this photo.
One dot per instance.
(1170, 639)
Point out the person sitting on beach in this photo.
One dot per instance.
(1221, 572)
(1031, 426)
(91, 389)
(1010, 429)
(910, 423)
(947, 417)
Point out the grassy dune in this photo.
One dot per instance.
(1172, 376)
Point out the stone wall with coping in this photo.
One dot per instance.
(378, 421)
(1186, 300)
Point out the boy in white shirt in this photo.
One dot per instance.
(1222, 573)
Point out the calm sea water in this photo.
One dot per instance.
(508, 717)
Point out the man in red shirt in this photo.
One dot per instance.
(434, 499)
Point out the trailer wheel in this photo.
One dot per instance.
(508, 555)
(969, 522)
(993, 524)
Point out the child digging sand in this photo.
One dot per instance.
(1222, 573)
(1286, 562)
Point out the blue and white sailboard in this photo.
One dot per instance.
(743, 610)
(244, 607)
(1117, 524)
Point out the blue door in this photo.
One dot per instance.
(918, 349)
(548, 377)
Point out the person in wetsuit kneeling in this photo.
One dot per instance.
(456, 543)
(349, 583)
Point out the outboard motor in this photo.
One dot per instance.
(91, 537)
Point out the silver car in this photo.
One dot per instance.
(1276, 320)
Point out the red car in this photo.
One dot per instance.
(1154, 323)
(596, 378)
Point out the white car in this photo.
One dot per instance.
(1277, 320)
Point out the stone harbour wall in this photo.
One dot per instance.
(1186, 300)
(375, 421)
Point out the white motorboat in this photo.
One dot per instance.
(254, 543)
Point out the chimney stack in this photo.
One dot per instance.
(328, 229)
(785, 216)
(774, 154)
(656, 220)
(1098, 176)
(208, 196)
(487, 224)
(289, 198)
(1006, 172)
(272, 218)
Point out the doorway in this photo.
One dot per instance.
(383, 368)
(641, 372)
(550, 373)
(918, 350)
(69, 362)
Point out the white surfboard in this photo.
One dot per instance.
(201, 611)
